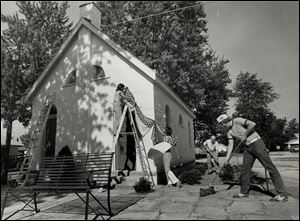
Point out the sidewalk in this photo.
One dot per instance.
(172, 203)
(186, 203)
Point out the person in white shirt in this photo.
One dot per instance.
(211, 146)
(167, 157)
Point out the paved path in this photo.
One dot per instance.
(185, 203)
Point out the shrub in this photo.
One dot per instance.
(143, 186)
(233, 173)
(193, 176)
(190, 177)
(227, 173)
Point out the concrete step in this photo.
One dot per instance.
(128, 181)
(132, 173)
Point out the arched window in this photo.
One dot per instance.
(98, 72)
(180, 121)
(167, 115)
(71, 78)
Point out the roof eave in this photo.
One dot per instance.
(147, 71)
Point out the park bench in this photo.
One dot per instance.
(69, 174)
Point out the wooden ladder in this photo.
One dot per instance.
(36, 138)
(140, 146)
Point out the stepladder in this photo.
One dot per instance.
(139, 142)
(36, 140)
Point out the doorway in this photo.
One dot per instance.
(51, 133)
(126, 147)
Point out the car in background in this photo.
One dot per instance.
(294, 148)
(222, 150)
(200, 151)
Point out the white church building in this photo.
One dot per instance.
(83, 77)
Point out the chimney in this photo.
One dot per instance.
(90, 11)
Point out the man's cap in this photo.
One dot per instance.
(222, 117)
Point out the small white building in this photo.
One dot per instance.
(83, 76)
(291, 143)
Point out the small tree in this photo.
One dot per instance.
(27, 46)
(291, 129)
(253, 99)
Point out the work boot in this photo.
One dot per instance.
(178, 184)
(240, 195)
(279, 198)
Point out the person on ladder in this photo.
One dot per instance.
(167, 157)
(119, 101)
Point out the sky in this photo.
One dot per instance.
(262, 38)
(258, 37)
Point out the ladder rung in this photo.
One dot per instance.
(127, 133)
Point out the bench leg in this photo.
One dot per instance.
(108, 200)
(108, 210)
(87, 205)
(3, 206)
(23, 208)
(35, 203)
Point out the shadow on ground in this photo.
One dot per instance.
(118, 204)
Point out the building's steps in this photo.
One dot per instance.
(127, 181)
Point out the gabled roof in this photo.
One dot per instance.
(147, 72)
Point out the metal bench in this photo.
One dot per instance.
(69, 174)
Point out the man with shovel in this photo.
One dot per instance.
(212, 154)
(243, 130)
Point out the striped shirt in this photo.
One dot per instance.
(238, 130)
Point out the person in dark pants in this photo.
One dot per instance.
(243, 130)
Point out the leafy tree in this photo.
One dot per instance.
(39, 34)
(253, 99)
(291, 129)
(27, 46)
(253, 96)
(277, 137)
(175, 44)
(12, 81)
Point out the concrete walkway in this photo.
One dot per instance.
(173, 203)
(186, 203)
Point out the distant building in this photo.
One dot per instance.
(293, 142)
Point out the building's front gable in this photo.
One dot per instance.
(84, 102)
(85, 107)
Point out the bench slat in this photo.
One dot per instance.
(72, 172)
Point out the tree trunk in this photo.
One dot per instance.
(4, 170)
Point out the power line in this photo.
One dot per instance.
(152, 15)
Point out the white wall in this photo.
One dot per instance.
(84, 110)
(185, 145)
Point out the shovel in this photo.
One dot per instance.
(210, 190)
